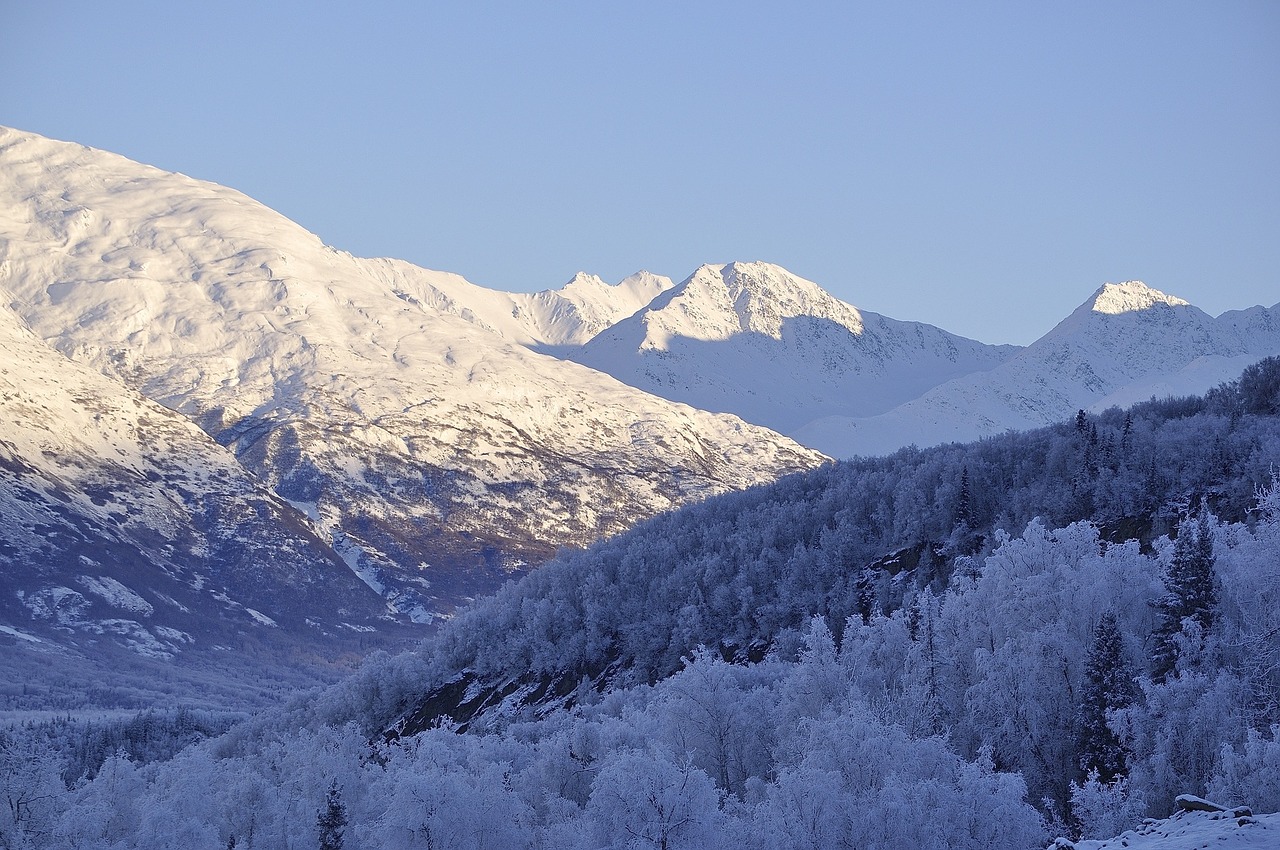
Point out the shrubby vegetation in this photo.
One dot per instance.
(82, 745)
(114, 679)
(958, 647)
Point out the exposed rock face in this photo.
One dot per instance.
(130, 539)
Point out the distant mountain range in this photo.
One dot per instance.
(206, 409)
(754, 340)
(1126, 343)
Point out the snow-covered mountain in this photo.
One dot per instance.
(777, 350)
(1126, 343)
(126, 527)
(399, 408)
(415, 419)
(587, 305)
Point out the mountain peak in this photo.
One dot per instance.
(631, 293)
(720, 301)
(585, 280)
(777, 349)
(1131, 297)
(647, 281)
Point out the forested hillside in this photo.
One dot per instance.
(977, 646)
(864, 536)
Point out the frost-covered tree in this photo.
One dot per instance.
(1249, 605)
(31, 790)
(1250, 775)
(1176, 734)
(1259, 387)
(1103, 809)
(874, 698)
(646, 801)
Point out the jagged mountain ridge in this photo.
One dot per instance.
(587, 305)
(1125, 343)
(755, 340)
(778, 350)
(549, 319)
(431, 447)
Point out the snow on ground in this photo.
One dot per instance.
(20, 635)
(1198, 824)
(116, 594)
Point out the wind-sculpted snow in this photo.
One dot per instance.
(398, 407)
(755, 340)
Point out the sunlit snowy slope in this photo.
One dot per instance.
(1126, 343)
(419, 422)
(403, 410)
(568, 316)
(777, 350)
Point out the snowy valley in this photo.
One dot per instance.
(577, 569)
(748, 672)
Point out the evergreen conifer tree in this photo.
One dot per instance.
(1108, 687)
(332, 820)
(964, 509)
(1190, 593)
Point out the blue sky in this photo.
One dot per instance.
(979, 166)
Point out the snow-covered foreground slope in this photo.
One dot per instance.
(777, 350)
(397, 407)
(1126, 343)
(1197, 824)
